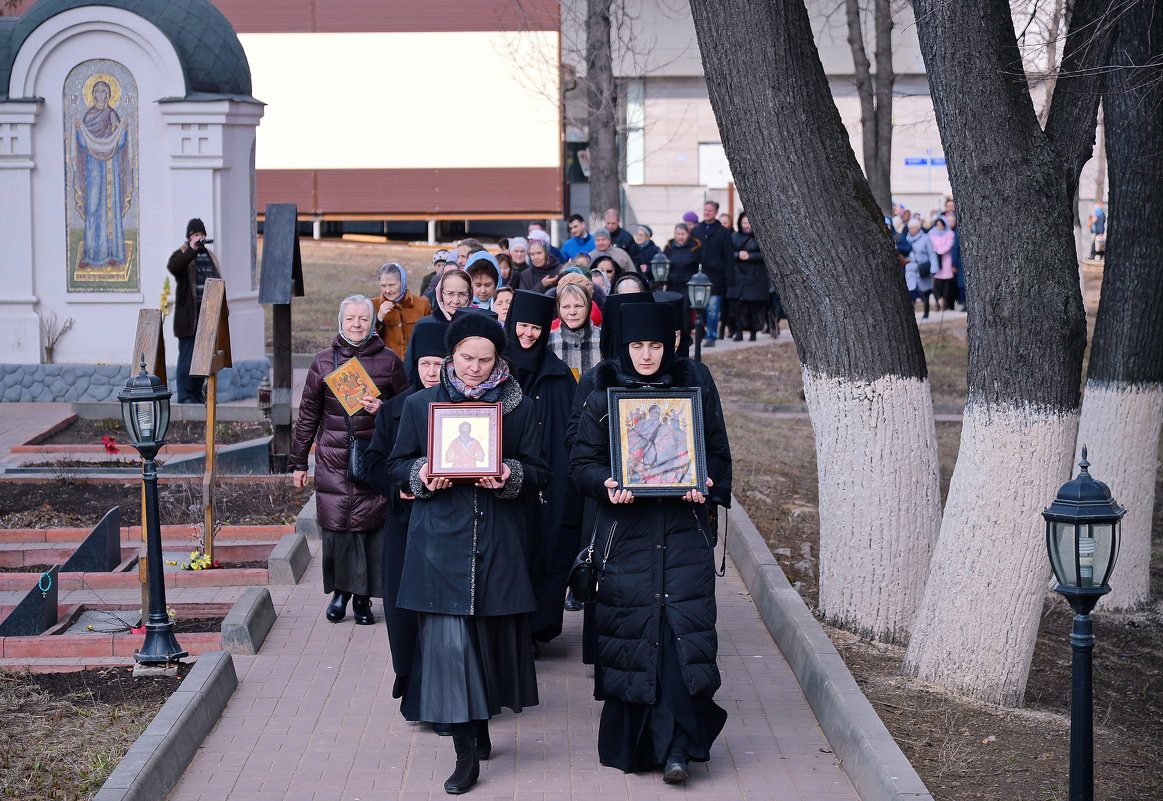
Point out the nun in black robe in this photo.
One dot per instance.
(555, 537)
(427, 341)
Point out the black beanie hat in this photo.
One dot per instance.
(427, 340)
(472, 322)
(610, 342)
(195, 226)
(647, 322)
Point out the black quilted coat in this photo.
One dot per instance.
(661, 559)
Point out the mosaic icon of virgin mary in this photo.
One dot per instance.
(103, 176)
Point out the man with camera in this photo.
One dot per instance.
(191, 265)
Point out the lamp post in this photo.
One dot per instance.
(1082, 537)
(698, 290)
(145, 408)
(660, 269)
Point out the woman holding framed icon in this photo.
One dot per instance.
(465, 573)
(645, 436)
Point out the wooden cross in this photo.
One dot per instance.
(211, 354)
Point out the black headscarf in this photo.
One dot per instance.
(647, 322)
(677, 302)
(535, 309)
(427, 340)
(610, 340)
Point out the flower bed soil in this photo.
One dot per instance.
(82, 723)
(90, 432)
(58, 503)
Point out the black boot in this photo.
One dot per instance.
(484, 744)
(337, 609)
(468, 769)
(361, 607)
(752, 339)
(738, 337)
(676, 770)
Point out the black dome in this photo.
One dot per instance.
(212, 58)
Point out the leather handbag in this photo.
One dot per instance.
(585, 574)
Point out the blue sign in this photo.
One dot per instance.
(916, 162)
(938, 161)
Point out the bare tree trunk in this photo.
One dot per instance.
(881, 178)
(864, 371)
(975, 629)
(1123, 407)
(603, 107)
(875, 97)
(1056, 26)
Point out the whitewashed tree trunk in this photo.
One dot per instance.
(978, 621)
(1120, 429)
(1121, 412)
(845, 299)
(975, 630)
(880, 499)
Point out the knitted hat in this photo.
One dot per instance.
(649, 231)
(578, 280)
(690, 218)
(540, 235)
(440, 255)
(474, 323)
(195, 226)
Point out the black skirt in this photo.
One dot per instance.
(639, 737)
(353, 561)
(468, 668)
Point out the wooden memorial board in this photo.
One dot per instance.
(281, 279)
(150, 343)
(212, 339)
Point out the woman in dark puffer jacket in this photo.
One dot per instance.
(350, 516)
(655, 610)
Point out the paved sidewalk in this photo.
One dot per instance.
(313, 720)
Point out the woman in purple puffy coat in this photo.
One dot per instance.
(351, 516)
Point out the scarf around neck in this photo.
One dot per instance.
(498, 376)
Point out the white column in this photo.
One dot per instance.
(209, 145)
(317, 228)
(557, 232)
(432, 232)
(19, 324)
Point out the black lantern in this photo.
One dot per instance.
(698, 290)
(145, 408)
(660, 268)
(1082, 536)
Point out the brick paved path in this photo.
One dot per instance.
(313, 720)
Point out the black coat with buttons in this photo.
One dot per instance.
(466, 545)
(661, 559)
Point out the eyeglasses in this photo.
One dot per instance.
(454, 295)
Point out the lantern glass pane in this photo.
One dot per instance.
(145, 420)
(1063, 553)
(127, 418)
(163, 418)
(1103, 535)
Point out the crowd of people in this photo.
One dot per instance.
(474, 572)
(930, 253)
(614, 259)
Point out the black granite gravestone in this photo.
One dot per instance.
(101, 550)
(37, 612)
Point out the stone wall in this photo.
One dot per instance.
(94, 383)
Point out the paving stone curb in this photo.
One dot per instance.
(245, 627)
(875, 765)
(288, 561)
(162, 753)
(307, 521)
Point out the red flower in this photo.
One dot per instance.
(110, 444)
(217, 563)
